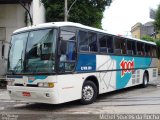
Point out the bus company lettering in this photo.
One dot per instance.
(86, 68)
(126, 66)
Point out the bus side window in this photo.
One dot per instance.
(147, 49)
(117, 46)
(129, 47)
(92, 42)
(83, 41)
(120, 46)
(134, 48)
(140, 49)
(102, 43)
(68, 51)
(110, 44)
(124, 51)
(154, 51)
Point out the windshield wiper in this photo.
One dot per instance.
(17, 65)
(11, 72)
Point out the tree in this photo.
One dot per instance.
(148, 38)
(88, 12)
(157, 19)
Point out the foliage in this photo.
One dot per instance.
(158, 47)
(88, 12)
(157, 19)
(147, 38)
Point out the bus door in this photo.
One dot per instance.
(67, 50)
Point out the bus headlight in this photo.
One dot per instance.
(46, 84)
(10, 82)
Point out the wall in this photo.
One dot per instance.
(136, 30)
(11, 18)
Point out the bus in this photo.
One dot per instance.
(60, 62)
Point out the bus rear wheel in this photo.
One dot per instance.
(89, 93)
(145, 80)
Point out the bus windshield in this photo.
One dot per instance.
(33, 52)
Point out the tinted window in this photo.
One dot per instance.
(105, 43)
(154, 51)
(66, 35)
(102, 44)
(68, 51)
(120, 45)
(83, 41)
(131, 49)
(87, 41)
(148, 49)
(140, 48)
(110, 44)
(92, 41)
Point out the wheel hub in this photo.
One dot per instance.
(87, 93)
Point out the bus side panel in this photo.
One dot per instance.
(127, 72)
(107, 78)
(136, 78)
(116, 72)
(123, 74)
(153, 72)
(70, 86)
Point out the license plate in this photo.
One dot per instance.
(26, 94)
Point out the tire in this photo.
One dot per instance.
(89, 93)
(145, 80)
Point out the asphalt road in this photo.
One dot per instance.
(130, 101)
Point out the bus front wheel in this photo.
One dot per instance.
(89, 93)
(145, 80)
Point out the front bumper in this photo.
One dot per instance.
(37, 94)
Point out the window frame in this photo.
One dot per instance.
(106, 36)
(78, 41)
(121, 46)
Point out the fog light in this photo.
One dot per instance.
(10, 83)
(47, 95)
(9, 92)
(50, 85)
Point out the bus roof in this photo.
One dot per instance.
(61, 24)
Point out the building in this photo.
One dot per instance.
(139, 30)
(14, 15)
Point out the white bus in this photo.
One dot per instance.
(62, 61)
